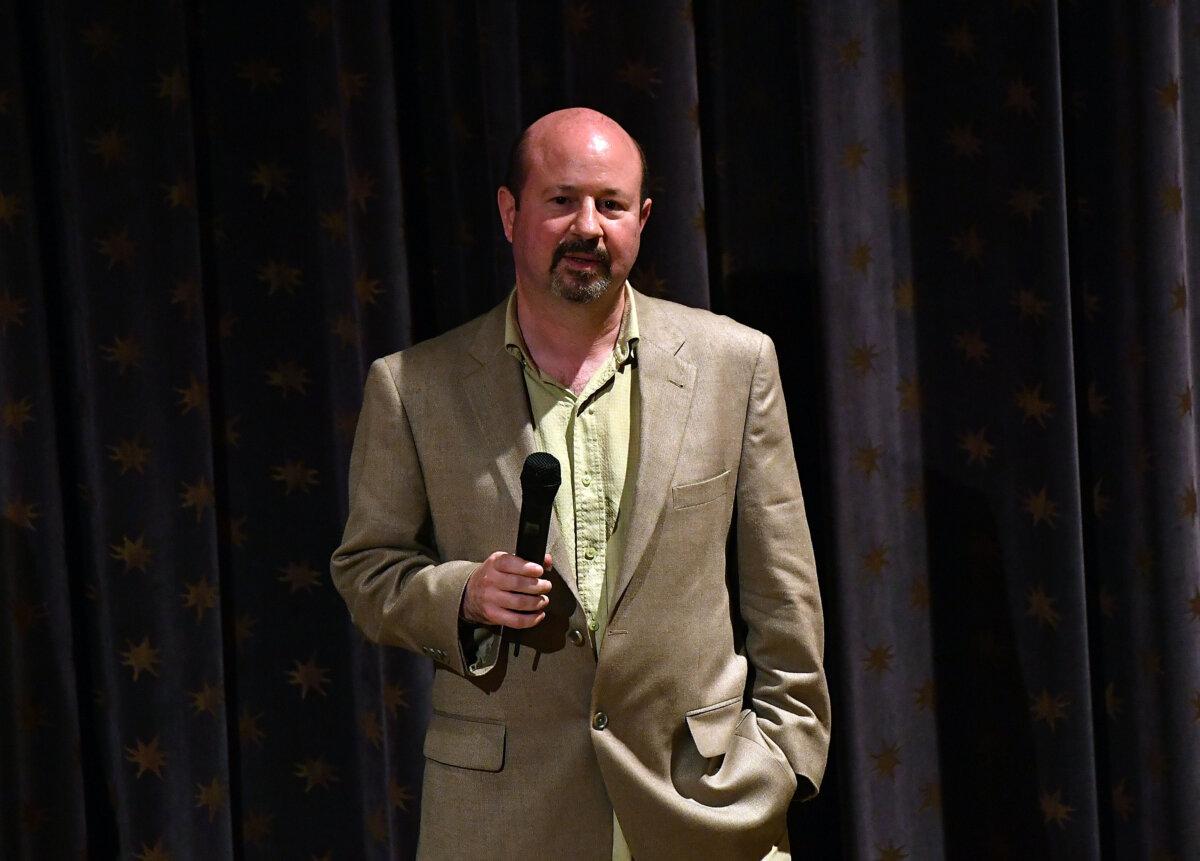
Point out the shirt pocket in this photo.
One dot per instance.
(700, 492)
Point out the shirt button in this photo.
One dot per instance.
(592, 625)
(587, 481)
(599, 721)
(576, 636)
(589, 554)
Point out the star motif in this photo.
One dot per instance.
(135, 554)
(900, 195)
(1113, 703)
(211, 797)
(157, 852)
(1179, 297)
(914, 497)
(320, 17)
(640, 76)
(1122, 802)
(1019, 98)
(125, 352)
(1041, 508)
(294, 475)
(256, 827)
(367, 289)
(895, 87)
(193, 397)
(849, 53)
(976, 445)
(180, 194)
(1041, 607)
(911, 396)
(130, 454)
(148, 757)
(866, 459)
(270, 177)
(891, 852)
(369, 726)
(1030, 305)
(117, 247)
(860, 257)
(233, 530)
(394, 699)
(333, 222)
(111, 145)
(972, 346)
(925, 697)
(309, 677)
(1097, 402)
(21, 513)
(854, 156)
(969, 244)
(316, 772)
(1172, 199)
(918, 594)
(328, 122)
(1025, 202)
(140, 658)
(351, 84)
(300, 576)
(578, 17)
(346, 423)
(233, 436)
(345, 328)
(198, 496)
(100, 38)
(173, 86)
(260, 73)
(1187, 503)
(1101, 502)
(360, 188)
(878, 659)
(1049, 709)
(187, 294)
(399, 796)
(1168, 95)
(964, 141)
(649, 281)
(1033, 406)
(207, 699)
(26, 614)
(289, 377)
(248, 729)
(200, 596)
(960, 41)
(876, 559)
(1053, 808)
(1185, 402)
(10, 208)
(906, 296)
(931, 796)
(279, 277)
(886, 760)
(862, 359)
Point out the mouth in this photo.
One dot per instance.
(583, 261)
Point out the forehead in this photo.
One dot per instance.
(584, 154)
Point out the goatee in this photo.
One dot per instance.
(583, 287)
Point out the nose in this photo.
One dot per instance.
(586, 224)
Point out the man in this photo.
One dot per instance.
(619, 696)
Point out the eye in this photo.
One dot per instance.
(612, 205)
(561, 200)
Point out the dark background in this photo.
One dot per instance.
(966, 226)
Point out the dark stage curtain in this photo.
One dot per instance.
(965, 225)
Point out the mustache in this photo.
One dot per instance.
(580, 246)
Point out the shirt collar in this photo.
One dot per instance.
(624, 350)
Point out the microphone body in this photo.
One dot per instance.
(540, 479)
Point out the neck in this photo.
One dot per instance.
(569, 340)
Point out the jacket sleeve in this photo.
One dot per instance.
(398, 592)
(780, 599)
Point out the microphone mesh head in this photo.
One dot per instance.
(541, 470)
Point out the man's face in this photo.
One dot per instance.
(579, 226)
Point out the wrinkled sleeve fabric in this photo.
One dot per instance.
(780, 599)
(397, 590)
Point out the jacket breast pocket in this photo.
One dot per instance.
(465, 742)
(700, 492)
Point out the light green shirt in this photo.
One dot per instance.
(590, 435)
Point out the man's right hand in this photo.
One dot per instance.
(507, 590)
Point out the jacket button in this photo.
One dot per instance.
(599, 720)
(576, 636)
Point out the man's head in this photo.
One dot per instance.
(574, 205)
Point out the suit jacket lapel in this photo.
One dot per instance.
(496, 390)
(666, 384)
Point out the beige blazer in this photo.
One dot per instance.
(708, 696)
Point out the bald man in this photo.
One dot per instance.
(621, 697)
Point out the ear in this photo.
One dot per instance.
(507, 204)
(644, 215)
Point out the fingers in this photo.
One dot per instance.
(510, 564)
(509, 619)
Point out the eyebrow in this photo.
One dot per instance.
(604, 192)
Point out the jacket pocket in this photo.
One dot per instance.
(712, 726)
(465, 742)
(700, 492)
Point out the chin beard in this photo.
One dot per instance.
(580, 291)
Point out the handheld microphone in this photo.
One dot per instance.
(540, 480)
